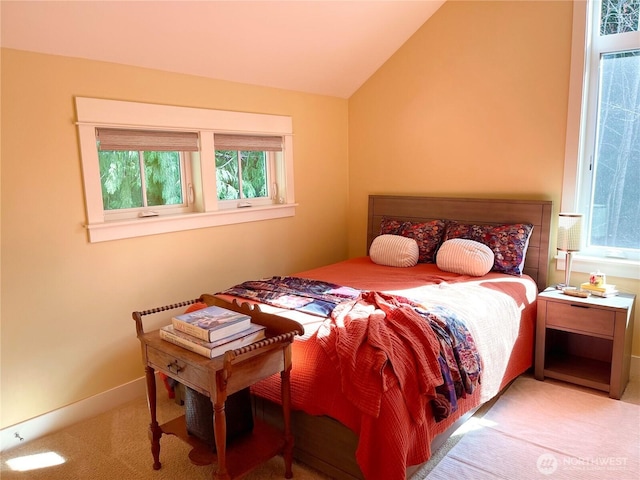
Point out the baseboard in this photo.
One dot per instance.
(634, 367)
(66, 416)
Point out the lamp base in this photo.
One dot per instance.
(567, 272)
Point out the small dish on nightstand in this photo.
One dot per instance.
(574, 292)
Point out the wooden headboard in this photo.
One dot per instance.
(472, 210)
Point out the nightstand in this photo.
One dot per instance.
(585, 341)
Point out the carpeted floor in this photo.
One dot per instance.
(115, 446)
(545, 430)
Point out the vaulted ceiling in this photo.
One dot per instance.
(328, 47)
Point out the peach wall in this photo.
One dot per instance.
(67, 331)
(474, 104)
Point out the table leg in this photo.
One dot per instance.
(155, 432)
(287, 453)
(220, 428)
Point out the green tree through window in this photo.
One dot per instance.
(241, 171)
(124, 186)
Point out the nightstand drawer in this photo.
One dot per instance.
(580, 318)
(188, 373)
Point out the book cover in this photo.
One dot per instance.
(604, 288)
(610, 293)
(252, 334)
(211, 323)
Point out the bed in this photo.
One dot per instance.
(387, 433)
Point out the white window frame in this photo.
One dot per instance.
(576, 158)
(207, 212)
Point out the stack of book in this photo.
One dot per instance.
(603, 290)
(211, 331)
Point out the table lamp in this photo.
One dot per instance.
(569, 241)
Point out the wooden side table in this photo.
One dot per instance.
(217, 378)
(586, 341)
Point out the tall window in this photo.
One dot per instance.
(609, 168)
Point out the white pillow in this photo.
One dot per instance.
(466, 257)
(394, 251)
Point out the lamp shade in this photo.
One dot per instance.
(570, 232)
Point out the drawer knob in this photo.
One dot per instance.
(173, 367)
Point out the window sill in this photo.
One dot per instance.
(138, 227)
(612, 267)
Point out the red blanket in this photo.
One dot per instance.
(384, 349)
(378, 343)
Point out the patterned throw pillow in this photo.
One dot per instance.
(428, 235)
(391, 226)
(508, 242)
(394, 251)
(466, 257)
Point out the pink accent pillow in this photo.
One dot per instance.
(394, 251)
(466, 257)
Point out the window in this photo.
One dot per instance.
(606, 175)
(152, 169)
(144, 173)
(245, 166)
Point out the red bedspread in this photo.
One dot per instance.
(378, 344)
(392, 440)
